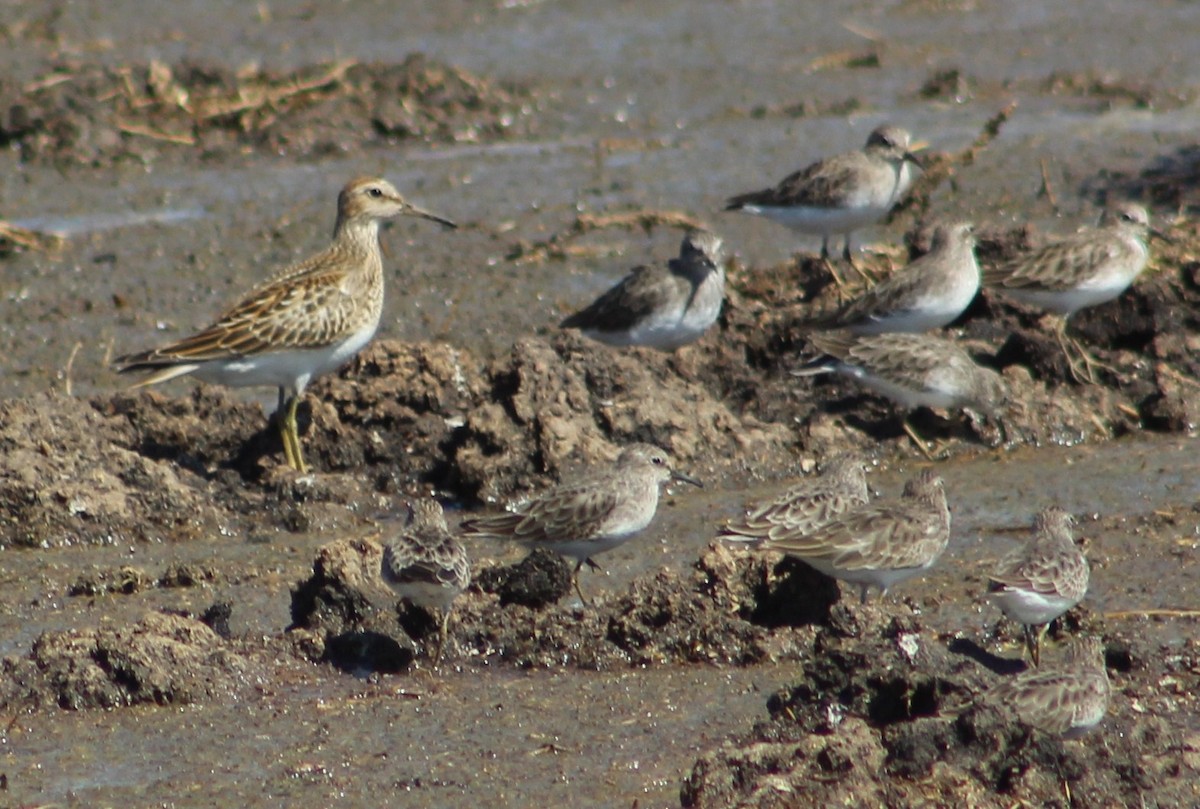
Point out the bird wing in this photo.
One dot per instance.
(275, 315)
(800, 509)
(1042, 570)
(824, 184)
(890, 536)
(570, 512)
(903, 359)
(1057, 266)
(640, 292)
(440, 562)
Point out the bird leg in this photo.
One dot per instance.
(441, 639)
(575, 578)
(1079, 360)
(848, 254)
(287, 431)
(1033, 643)
(916, 439)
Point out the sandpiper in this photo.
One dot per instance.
(840, 194)
(805, 506)
(663, 307)
(1043, 579)
(927, 294)
(309, 319)
(1068, 700)
(425, 564)
(591, 515)
(913, 370)
(1088, 268)
(880, 544)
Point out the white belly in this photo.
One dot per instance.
(821, 221)
(292, 369)
(1032, 609)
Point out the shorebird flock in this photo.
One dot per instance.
(314, 316)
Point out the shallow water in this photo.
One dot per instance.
(672, 86)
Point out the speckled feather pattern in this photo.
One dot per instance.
(1067, 700)
(328, 298)
(927, 294)
(589, 513)
(1108, 257)
(912, 369)
(1050, 564)
(908, 532)
(425, 555)
(806, 505)
(309, 304)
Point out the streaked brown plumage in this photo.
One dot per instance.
(1041, 580)
(425, 564)
(307, 320)
(879, 544)
(805, 506)
(590, 515)
(1082, 270)
(1067, 700)
(927, 294)
(839, 194)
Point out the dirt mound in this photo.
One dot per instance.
(1146, 337)
(888, 719)
(162, 659)
(96, 116)
(343, 615)
(65, 478)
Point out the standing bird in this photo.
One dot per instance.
(1040, 581)
(913, 370)
(308, 320)
(840, 194)
(662, 307)
(929, 293)
(805, 506)
(591, 515)
(426, 565)
(1088, 268)
(1068, 700)
(881, 544)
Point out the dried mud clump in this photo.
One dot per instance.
(1146, 337)
(340, 617)
(66, 477)
(94, 115)
(555, 404)
(341, 613)
(161, 659)
(889, 718)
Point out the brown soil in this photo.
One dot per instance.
(882, 709)
(78, 113)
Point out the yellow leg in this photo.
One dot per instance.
(1033, 643)
(1079, 361)
(917, 440)
(441, 641)
(575, 579)
(291, 439)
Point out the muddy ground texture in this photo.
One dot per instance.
(878, 706)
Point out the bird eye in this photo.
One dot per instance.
(374, 191)
(658, 460)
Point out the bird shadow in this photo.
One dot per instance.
(994, 663)
(365, 651)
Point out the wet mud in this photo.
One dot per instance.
(160, 557)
